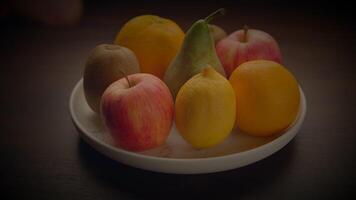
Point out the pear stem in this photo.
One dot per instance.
(127, 79)
(245, 34)
(220, 11)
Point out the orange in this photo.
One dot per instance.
(267, 97)
(154, 40)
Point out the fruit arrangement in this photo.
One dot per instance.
(207, 82)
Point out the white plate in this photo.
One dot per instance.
(177, 156)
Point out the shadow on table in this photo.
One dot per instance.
(238, 182)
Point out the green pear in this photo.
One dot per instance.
(196, 53)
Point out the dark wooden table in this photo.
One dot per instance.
(42, 156)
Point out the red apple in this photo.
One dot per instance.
(138, 111)
(245, 45)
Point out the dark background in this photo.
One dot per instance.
(42, 156)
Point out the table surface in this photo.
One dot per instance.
(43, 157)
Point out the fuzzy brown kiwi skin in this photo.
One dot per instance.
(106, 64)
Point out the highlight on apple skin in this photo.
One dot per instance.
(138, 111)
(245, 45)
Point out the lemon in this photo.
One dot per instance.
(267, 95)
(205, 109)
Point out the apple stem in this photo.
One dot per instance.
(220, 11)
(127, 79)
(245, 33)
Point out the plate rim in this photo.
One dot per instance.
(294, 129)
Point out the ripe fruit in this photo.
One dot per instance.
(197, 52)
(245, 45)
(138, 111)
(267, 95)
(205, 109)
(217, 33)
(105, 66)
(154, 40)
